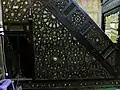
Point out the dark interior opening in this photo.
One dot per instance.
(21, 62)
(24, 53)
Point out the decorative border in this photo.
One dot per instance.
(30, 84)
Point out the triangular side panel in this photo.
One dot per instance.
(58, 53)
(83, 28)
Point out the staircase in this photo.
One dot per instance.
(70, 50)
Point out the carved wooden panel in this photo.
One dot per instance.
(15, 10)
(58, 54)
